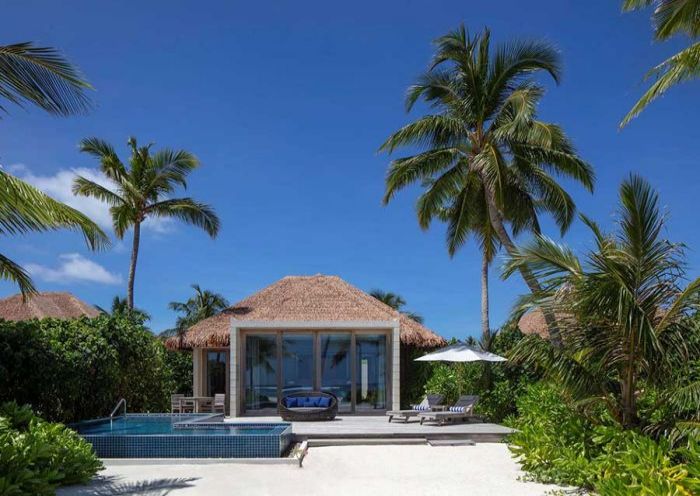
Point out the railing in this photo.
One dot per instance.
(116, 408)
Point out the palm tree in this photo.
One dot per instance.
(202, 305)
(24, 209)
(142, 190)
(624, 310)
(396, 302)
(40, 76)
(670, 18)
(484, 152)
(43, 77)
(120, 307)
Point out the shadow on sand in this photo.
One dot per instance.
(109, 485)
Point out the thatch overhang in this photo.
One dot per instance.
(304, 298)
(57, 305)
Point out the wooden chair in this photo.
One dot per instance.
(219, 403)
(176, 403)
(188, 405)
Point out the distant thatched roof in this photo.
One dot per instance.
(533, 322)
(304, 298)
(44, 305)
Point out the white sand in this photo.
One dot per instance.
(484, 469)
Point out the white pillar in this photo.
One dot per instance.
(233, 371)
(396, 366)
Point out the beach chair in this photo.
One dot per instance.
(429, 402)
(463, 409)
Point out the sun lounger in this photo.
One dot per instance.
(429, 402)
(462, 410)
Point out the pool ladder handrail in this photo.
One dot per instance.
(116, 408)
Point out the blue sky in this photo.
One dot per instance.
(286, 103)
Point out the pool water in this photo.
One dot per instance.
(182, 436)
(164, 425)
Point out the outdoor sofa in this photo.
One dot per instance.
(429, 402)
(463, 409)
(307, 406)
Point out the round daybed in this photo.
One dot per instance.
(308, 406)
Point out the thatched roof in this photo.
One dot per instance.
(45, 305)
(533, 322)
(304, 298)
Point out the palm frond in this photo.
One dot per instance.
(43, 77)
(10, 271)
(681, 67)
(24, 209)
(189, 211)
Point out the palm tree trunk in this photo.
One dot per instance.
(132, 266)
(485, 325)
(533, 284)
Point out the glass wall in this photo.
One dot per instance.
(297, 362)
(353, 365)
(261, 371)
(336, 368)
(216, 372)
(370, 386)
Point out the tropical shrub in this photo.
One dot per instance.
(625, 318)
(37, 456)
(179, 364)
(558, 443)
(498, 385)
(69, 370)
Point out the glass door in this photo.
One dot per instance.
(336, 367)
(370, 363)
(297, 362)
(261, 372)
(216, 372)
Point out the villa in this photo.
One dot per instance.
(305, 333)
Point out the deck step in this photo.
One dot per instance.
(352, 441)
(451, 442)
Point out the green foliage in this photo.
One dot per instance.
(557, 443)
(71, 370)
(26, 209)
(497, 396)
(623, 313)
(179, 363)
(37, 456)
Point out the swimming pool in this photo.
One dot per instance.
(184, 436)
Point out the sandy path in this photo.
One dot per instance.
(484, 469)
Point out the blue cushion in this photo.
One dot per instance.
(311, 402)
(291, 402)
(324, 402)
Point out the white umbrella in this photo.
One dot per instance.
(460, 352)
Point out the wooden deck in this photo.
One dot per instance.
(377, 428)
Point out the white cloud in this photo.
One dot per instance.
(74, 267)
(59, 186)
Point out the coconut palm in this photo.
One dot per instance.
(25, 209)
(624, 311)
(43, 77)
(671, 17)
(120, 307)
(202, 305)
(40, 76)
(396, 302)
(142, 190)
(483, 150)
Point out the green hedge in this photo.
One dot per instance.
(556, 443)
(70, 370)
(37, 456)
